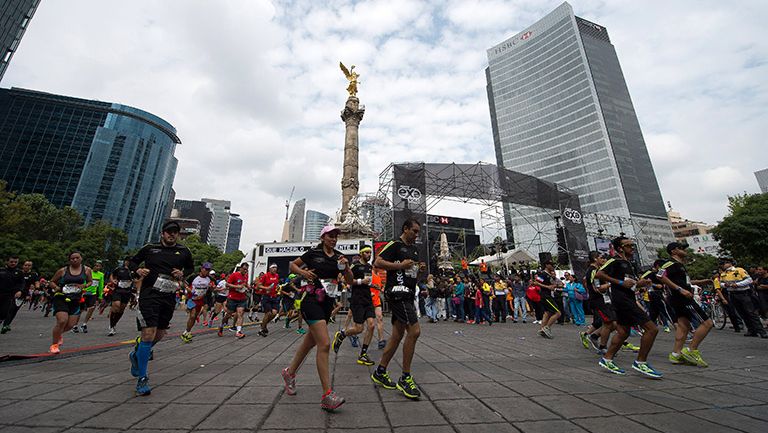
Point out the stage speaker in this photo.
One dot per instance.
(545, 257)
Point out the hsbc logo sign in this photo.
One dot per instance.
(409, 193)
(435, 219)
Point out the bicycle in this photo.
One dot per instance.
(712, 305)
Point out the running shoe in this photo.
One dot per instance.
(337, 340)
(186, 337)
(584, 339)
(111, 332)
(408, 387)
(364, 360)
(84, 328)
(54, 349)
(275, 319)
(694, 357)
(332, 319)
(205, 324)
(679, 360)
(547, 332)
(646, 369)
(382, 344)
(134, 363)
(629, 346)
(542, 333)
(601, 351)
(221, 331)
(354, 341)
(263, 332)
(290, 381)
(76, 329)
(142, 386)
(5, 329)
(301, 331)
(239, 335)
(594, 341)
(331, 401)
(383, 380)
(666, 329)
(609, 365)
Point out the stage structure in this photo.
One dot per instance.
(414, 188)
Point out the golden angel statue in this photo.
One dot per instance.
(352, 77)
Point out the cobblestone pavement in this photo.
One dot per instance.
(502, 378)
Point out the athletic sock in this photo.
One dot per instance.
(381, 370)
(364, 350)
(142, 356)
(406, 375)
(343, 335)
(640, 362)
(675, 354)
(239, 328)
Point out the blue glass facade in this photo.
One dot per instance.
(108, 161)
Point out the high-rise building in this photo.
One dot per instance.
(762, 179)
(217, 235)
(296, 221)
(561, 111)
(108, 161)
(15, 16)
(233, 233)
(313, 224)
(193, 209)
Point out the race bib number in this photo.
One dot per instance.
(126, 284)
(165, 284)
(331, 287)
(71, 289)
(198, 293)
(413, 271)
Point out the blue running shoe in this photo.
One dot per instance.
(134, 363)
(609, 365)
(647, 370)
(142, 386)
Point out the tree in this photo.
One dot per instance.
(227, 262)
(101, 241)
(201, 252)
(744, 231)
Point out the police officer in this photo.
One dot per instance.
(161, 267)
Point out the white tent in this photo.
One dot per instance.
(517, 255)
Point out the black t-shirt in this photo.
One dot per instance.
(401, 283)
(676, 273)
(761, 281)
(324, 266)
(290, 289)
(620, 269)
(590, 280)
(653, 276)
(361, 292)
(30, 279)
(123, 275)
(160, 259)
(544, 278)
(11, 280)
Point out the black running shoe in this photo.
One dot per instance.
(408, 387)
(337, 340)
(383, 380)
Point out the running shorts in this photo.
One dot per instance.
(220, 299)
(403, 311)
(376, 296)
(233, 305)
(603, 310)
(628, 313)
(313, 311)
(362, 311)
(287, 303)
(268, 304)
(548, 304)
(90, 300)
(688, 308)
(155, 309)
(66, 304)
(124, 296)
(198, 304)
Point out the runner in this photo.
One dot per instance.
(270, 303)
(547, 281)
(237, 283)
(376, 288)
(11, 289)
(91, 295)
(319, 268)
(674, 275)
(31, 283)
(121, 294)
(68, 284)
(400, 258)
(361, 307)
(288, 300)
(164, 265)
(603, 316)
(622, 274)
(220, 299)
(198, 286)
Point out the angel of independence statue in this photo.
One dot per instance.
(352, 76)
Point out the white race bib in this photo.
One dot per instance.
(165, 284)
(124, 284)
(413, 271)
(71, 289)
(331, 287)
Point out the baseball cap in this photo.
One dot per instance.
(206, 265)
(674, 245)
(328, 229)
(291, 276)
(170, 226)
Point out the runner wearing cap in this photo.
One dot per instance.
(122, 283)
(219, 300)
(319, 267)
(164, 265)
(197, 287)
(361, 307)
(68, 284)
(270, 303)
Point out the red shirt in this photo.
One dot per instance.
(236, 278)
(271, 281)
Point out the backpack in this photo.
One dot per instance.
(533, 294)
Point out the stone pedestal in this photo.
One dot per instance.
(351, 115)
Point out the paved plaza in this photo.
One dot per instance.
(474, 379)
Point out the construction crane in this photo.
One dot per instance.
(288, 202)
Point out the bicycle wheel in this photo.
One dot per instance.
(719, 316)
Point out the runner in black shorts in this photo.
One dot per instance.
(622, 274)
(547, 281)
(675, 277)
(400, 258)
(361, 306)
(68, 284)
(164, 266)
(319, 267)
(122, 281)
(603, 316)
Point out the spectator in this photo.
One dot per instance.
(518, 295)
(458, 300)
(576, 292)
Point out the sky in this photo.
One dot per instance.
(255, 91)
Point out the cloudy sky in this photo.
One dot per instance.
(254, 88)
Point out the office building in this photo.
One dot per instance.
(15, 16)
(217, 235)
(109, 161)
(197, 210)
(683, 228)
(561, 111)
(233, 233)
(296, 221)
(762, 179)
(313, 224)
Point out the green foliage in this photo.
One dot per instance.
(744, 232)
(202, 252)
(227, 262)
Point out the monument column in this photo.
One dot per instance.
(351, 115)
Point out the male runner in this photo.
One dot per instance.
(31, 283)
(219, 300)
(11, 290)
(270, 303)
(122, 281)
(376, 288)
(622, 274)
(237, 283)
(198, 287)
(361, 306)
(603, 316)
(91, 295)
(546, 280)
(674, 275)
(400, 258)
(164, 265)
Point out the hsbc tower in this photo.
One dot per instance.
(561, 111)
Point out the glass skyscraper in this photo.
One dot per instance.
(313, 225)
(15, 16)
(108, 161)
(561, 111)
